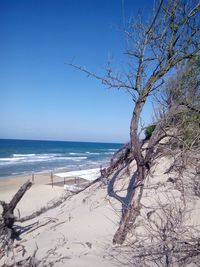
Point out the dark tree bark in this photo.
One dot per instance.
(133, 210)
(8, 218)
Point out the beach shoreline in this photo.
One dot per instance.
(43, 189)
(41, 178)
(14, 181)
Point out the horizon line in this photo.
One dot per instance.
(50, 140)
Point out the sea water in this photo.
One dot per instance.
(26, 156)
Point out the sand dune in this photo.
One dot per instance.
(79, 232)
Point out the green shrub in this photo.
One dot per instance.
(148, 131)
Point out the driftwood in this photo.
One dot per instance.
(44, 209)
(7, 219)
(55, 203)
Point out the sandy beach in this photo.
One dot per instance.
(85, 222)
(13, 182)
(43, 189)
(35, 198)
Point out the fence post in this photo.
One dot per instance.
(32, 178)
(52, 179)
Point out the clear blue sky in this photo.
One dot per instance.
(41, 97)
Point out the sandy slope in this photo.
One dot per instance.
(79, 232)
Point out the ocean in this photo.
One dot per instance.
(27, 156)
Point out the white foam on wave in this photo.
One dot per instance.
(9, 159)
(36, 158)
(73, 158)
(23, 155)
(92, 153)
(35, 155)
(83, 153)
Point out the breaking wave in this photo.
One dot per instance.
(31, 158)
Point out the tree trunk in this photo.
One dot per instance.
(130, 214)
(8, 211)
(134, 136)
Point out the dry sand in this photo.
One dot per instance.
(79, 232)
(38, 196)
(13, 182)
(41, 193)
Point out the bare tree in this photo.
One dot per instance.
(154, 48)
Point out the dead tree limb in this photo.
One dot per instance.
(55, 203)
(8, 218)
